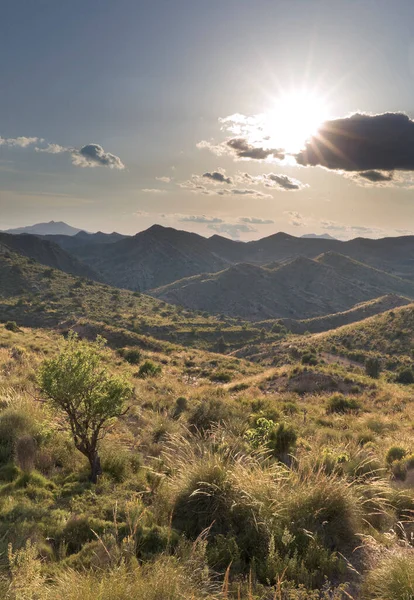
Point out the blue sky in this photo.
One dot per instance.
(148, 81)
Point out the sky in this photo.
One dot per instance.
(217, 116)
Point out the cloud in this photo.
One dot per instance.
(21, 142)
(296, 218)
(362, 142)
(153, 191)
(53, 149)
(93, 155)
(217, 177)
(243, 149)
(376, 176)
(199, 219)
(256, 220)
(232, 229)
(283, 182)
(164, 179)
(243, 192)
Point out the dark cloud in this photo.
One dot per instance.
(93, 155)
(362, 142)
(282, 181)
(217, 177)
(376, 176)
(243, 149)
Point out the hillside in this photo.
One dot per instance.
(357, 313)
(47, 253)
(207, 444)
(162, 255)
(33, 295)
(151, 258)
(302, 288)
(390, 334)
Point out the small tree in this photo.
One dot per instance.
(90, 398)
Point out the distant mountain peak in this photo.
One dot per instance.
(49, 228)
(318, 236)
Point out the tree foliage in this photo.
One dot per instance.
(77, 383)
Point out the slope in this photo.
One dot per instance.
(32, 295)
(47, 253)
(151, 258)
(302, 288)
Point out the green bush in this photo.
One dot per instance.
(405, 376)
(340, 404)
(372, 367)
(13, 425)
(395, 453)
(132, 356)
(309, 359)
(279, 438)
(148, 369)
(12, 326)
(220, 377)
(207, 413)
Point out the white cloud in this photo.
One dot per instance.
(256, 220)
(199, 219)
(21, 142)
(93, 155)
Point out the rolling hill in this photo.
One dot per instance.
(47, 253)
(37, 296)
(357, 313)
(302, 288)
(151, 258)
(161, 255)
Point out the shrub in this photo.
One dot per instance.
(220, 377)
(372, 367)
(148, 369)
(12, 326)
(405, 376)
(181, 406)
(395, 453)
(309, 359)
(13, 424)
(132, 356)
(340, 404)
(279, 438)
(211, 498)
(207, 413)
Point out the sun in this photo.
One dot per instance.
(294, 118)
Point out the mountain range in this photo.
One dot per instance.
(301, 288)
(279, 276)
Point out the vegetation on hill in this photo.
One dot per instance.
(248, 488)
(32, 294)
(161, 255)
(279, 466)
(302, 288)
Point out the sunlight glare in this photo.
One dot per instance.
(294, 118)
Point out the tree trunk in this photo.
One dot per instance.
(95, 463)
